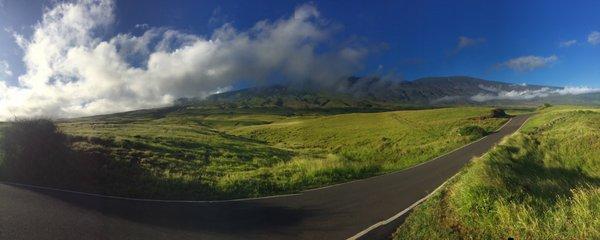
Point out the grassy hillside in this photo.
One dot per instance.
(214, 154)
(542, 183)
(387, 141)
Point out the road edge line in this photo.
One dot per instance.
(140, 199)
(411, 167)
(401, 213)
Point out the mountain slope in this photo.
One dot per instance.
(431, 90)
(374, 92)
(286, 97)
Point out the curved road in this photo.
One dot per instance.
(336, 212)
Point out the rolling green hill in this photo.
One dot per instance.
(196, 154)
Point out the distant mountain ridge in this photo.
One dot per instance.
(373, 92)
(432, 90)
(281, 96)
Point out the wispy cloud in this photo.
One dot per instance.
(528, 63)
(4, 70)
(142, 26)
(465, 42)
(594, 38)
(71, 71)
(447, 99)
(218, 18)
(567, 43)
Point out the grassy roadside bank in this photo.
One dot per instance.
(197, 155)
(541, 183)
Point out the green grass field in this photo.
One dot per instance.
(199, 154)
(541, 183)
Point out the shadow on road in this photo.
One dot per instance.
(219, 217)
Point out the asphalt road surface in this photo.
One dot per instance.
(336, 212)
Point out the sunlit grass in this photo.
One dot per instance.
(201, 155)
(543, 183)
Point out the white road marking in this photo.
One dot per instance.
(142, 199)
(400, 214)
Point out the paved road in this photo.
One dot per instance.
(336, 212)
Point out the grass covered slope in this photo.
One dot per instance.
(198, 154)
(542, 183)
(386, 141)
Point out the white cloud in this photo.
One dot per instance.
(567, 43)
(464, 42)
(577, 90)
(4, 70)
(18, 38)
(512, 95)
(528, 63)
(72, 70)
(594, 38)
(531, 93)
(142, 26)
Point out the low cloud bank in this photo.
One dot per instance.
(530, 93)
(72, 70)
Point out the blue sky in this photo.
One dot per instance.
(82, 57)
(417, 38)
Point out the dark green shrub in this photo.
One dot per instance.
(472, 131)
(544, 106)
(34, 150)
(498, 113)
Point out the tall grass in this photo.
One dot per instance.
(542, 183)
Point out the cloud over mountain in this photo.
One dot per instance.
(528, 94)
(73, 69)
